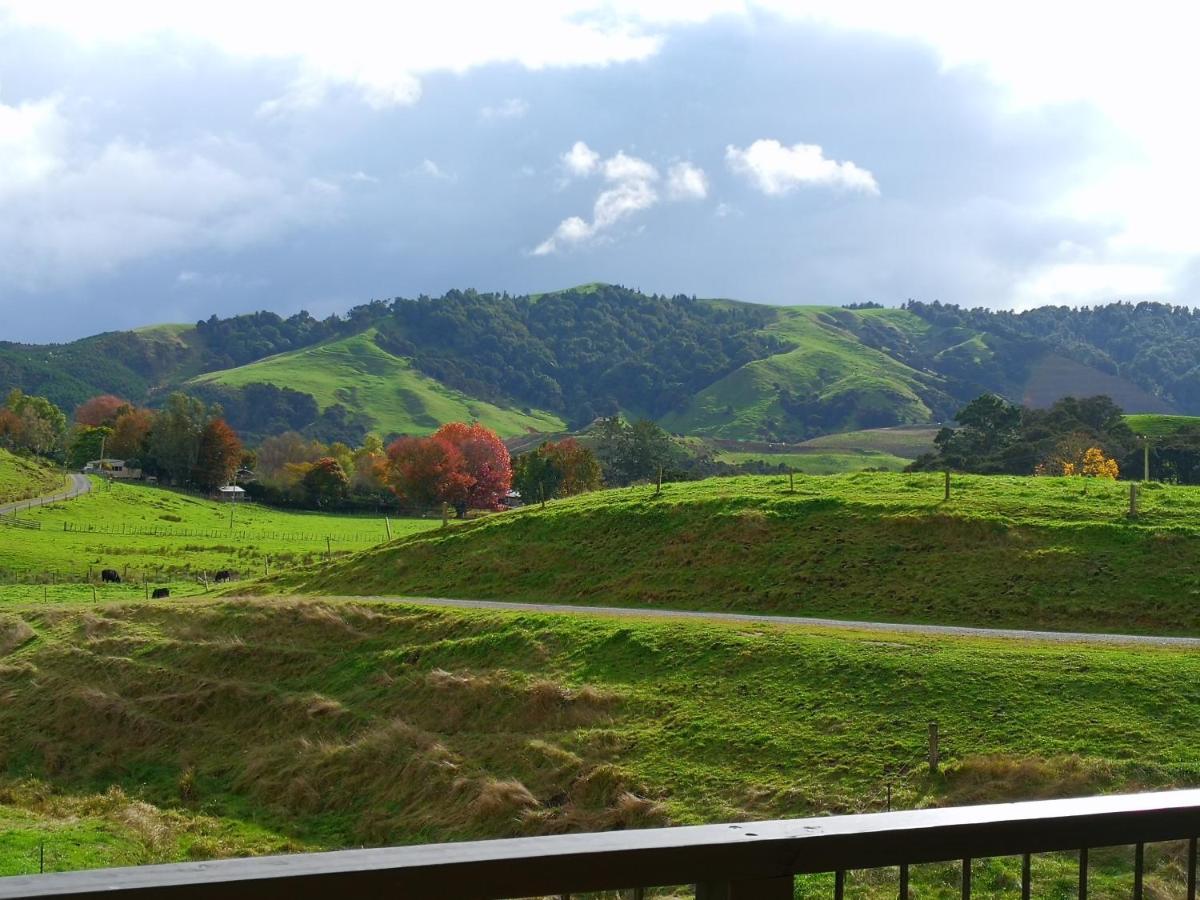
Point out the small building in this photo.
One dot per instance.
(111, 468)
(230, 493)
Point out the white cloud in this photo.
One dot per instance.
(379, 51)
(512, 108)
(775, 169)
(72, 210)
(581, 159)
(632, 190)
(686, 182)
(432, 170)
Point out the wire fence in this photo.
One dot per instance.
(233, 534)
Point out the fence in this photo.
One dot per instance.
(247, 534)
(747, 861)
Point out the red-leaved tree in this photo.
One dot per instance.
(463, 465)
(100, 410)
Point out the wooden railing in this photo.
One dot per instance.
(746, 861)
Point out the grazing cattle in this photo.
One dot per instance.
(110, 575)
(221, 576)
(160, 593)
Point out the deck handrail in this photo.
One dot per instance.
(734, 861)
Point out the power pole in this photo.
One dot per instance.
(1146, 458)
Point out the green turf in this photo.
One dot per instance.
(1055, 553)
(828, 360)
(1155, 425)
(22, 478)
(145, 531)
(816, 463)
(343, 723)
(363, 377)
(907, 441)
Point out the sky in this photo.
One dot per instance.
(162, 162)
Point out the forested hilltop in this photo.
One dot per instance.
(557, 361)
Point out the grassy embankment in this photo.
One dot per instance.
(153, 731)
(22, 478)
(1003, 551)
(1155, 425)
(363, 377)
(149, 532)
(881, 449)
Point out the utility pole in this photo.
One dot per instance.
(1146, 458)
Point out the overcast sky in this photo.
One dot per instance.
(162, 162)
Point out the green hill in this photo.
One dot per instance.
(1054, 553)
(363, 377)
(828, 377)
(22, 478)
(146, 732)
(1155, 425)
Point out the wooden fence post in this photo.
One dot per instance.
(947, 497)
(328, 549)
(1133, 494)
(387, 523)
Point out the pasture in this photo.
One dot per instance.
(146, 732)
(1056, 553)
(147, 532)
(22, 478)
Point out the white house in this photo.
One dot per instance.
(113, 468)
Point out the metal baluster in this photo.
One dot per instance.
(1026, 875)
(839, 884)
(1139, 860)
(1191, 876)
(904, 881)
(966, 879)
(1083, 873)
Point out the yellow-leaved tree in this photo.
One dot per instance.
(1097, 465)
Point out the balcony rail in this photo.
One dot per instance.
(745, 861)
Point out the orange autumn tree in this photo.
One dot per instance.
(1075, 454)
(467, 466)
(101, 410)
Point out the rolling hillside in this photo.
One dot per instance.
(828, 380)
(357, 373)
(148, 732)
(22, 478)
(1004, 551)
(723, 369)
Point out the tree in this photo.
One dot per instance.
(40, 427)
(485, 461)
(129, 434)
(100, 410)
(174, 441)
(87, 443)
(1097, 465)
(560, 469)
(217, 456)
(427, 470)
(325, 484)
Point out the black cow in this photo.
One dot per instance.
(222, 576)
(160, 593)
(110, 575)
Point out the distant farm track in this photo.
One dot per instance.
(1069, 637)
(80, 484)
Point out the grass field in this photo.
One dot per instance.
(1004, 551)
(144, 732)
(1155, 425)
(144, 531)
(820, 463)
(22, 478)
(907, 441)
(363, 377)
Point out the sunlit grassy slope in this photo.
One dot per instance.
(907, 441)
(1023, 552)
(22, 478)
(1156, 425)
(190, 535)
(202, 728)
(363, 377)
(828, 361)
(820, 463)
